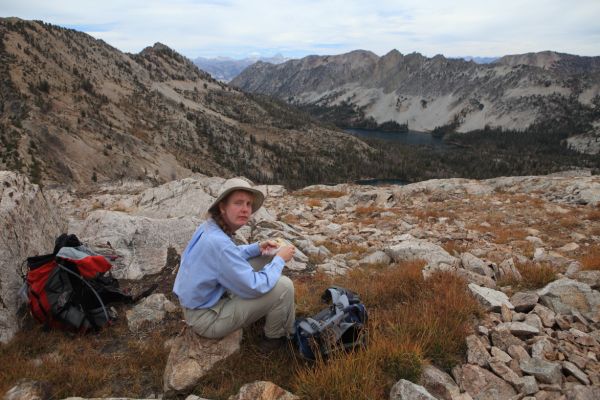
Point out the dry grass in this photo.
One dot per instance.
(357, 249)
(290, 219)
(111, 363)
(455, 247)
(593, 214)
(570, 221)
(411, 321)
(361, 374)
(365, 211)
(312, 202)
(426, 215)
(320, 193)
(590, 260)
(534, 276)
(502, 234)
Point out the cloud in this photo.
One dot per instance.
(294, 28)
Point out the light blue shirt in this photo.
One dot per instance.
(211, 263)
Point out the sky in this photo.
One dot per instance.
(296, 28)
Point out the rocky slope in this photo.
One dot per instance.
(542, 343)
(426, 93)
(75, 110)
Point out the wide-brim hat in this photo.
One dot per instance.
(233, 184)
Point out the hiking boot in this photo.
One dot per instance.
(267, 345)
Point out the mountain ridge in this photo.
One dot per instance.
(511, 93)
(152, 115)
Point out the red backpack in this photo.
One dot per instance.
(70, 288)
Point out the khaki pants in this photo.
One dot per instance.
(231, 314)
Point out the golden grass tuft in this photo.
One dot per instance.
(502, 234)
(534, 276)
(343, 248)
(365, 211)
(312, 202)
(290, 219)
(454, 247)
(593, 214)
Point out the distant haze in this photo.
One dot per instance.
(226, 68)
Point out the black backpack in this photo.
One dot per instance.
(339, 326)
(71, 287)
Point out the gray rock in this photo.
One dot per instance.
(377, 257)
(507, 314)
(272, 190)
(151, 310)
(572, 369)
(579, 360)
(565, 294)
(30, 222)
(479, 280)
(476, 351)
(482, 384)
(141, 242)
(477, 265)
(518, 352)
(332, 229)
(534, 321)
(524, 301)
(27, 389)
(438, 383)
(544, 371)
(506, 373)
(500, 355)
(192, 356)
(406, 390)
(411, 250)
(187, 197)
(261, 390)
(542, 347)
(547, 316)
(557, 260)
(519, 329)
(528, 385)
(579, 392)
(507, 269)
(591, 278)
(583, 338)
(503, 339)
(549, 395)
(490, 298)
(333, 268)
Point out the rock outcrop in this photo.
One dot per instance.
(192, 356)
(30, 223)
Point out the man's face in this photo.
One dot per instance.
(236, 210)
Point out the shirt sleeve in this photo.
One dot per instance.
(249, 250)
(237, 275)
